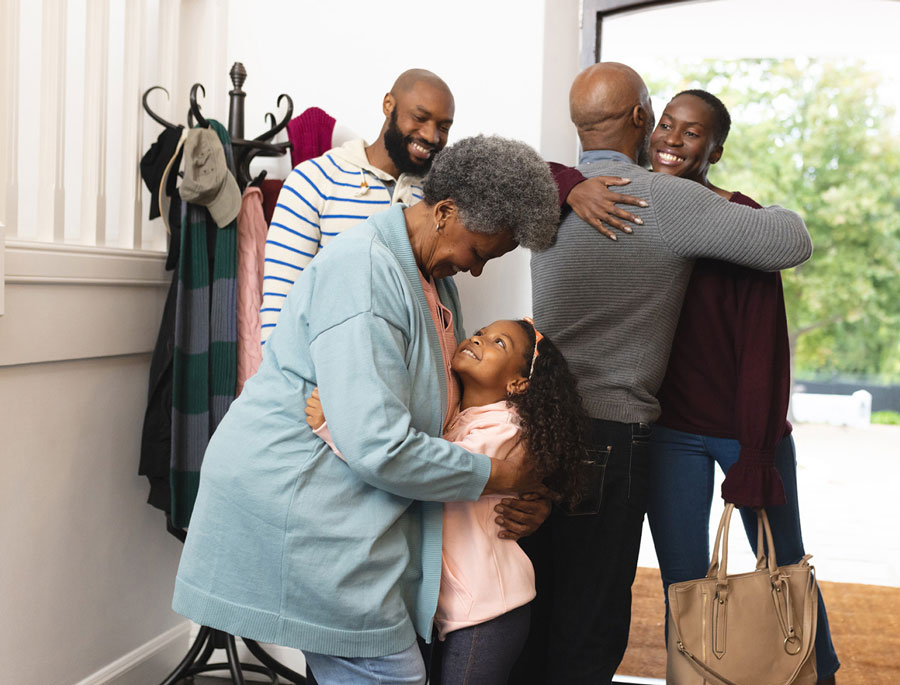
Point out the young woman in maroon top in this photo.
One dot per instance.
(725, 396)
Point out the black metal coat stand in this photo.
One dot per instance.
(208, 639)
(197, 658)
(244, 150)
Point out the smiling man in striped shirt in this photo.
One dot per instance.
(324, 196)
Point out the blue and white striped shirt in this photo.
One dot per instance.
(321, 198)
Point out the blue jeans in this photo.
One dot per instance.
(681, 491)
(483, 654)
(406, 667)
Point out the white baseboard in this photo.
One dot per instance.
(149, 663)
(154, 660)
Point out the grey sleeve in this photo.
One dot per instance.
(696, 222)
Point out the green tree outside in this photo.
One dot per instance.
(814, 137)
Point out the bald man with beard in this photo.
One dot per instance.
(612, 308)
(324, 196)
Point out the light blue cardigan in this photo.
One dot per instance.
(287, 543)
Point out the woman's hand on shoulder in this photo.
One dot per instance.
(595, 203)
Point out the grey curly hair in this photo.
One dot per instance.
(498, 185)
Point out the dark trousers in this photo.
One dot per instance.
(483, 654)
(585, 565)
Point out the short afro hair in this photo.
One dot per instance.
(497, 185)
(720, 112)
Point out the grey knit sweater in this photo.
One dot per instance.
(612, 307)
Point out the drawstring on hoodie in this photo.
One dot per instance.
(363, 184)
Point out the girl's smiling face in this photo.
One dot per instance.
(494, 361)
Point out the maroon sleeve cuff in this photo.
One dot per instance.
(566, 178)
(753, 484)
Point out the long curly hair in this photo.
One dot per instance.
(553, 421)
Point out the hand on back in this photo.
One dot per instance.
(595, 203)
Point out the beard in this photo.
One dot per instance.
(643, 159)
(397, 146)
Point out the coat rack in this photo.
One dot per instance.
(244, 150)
(209, 639)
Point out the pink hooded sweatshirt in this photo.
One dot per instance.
(483, 576)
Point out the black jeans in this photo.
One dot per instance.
(584, 567)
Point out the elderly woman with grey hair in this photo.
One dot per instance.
(342, 559)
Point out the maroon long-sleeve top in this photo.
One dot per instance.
(729, 371)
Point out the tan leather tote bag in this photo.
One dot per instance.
(755, 628)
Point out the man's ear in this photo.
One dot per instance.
(716, 154)
(388, 104)
(517, 386)
(639, 117)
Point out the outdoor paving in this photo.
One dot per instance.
(849, 487)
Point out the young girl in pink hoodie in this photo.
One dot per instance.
(517, 394)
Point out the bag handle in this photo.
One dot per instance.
(762, 522)
(764, 555)
(724, 524)
(764, 540)
(760, 549)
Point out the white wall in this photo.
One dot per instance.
(87, 565)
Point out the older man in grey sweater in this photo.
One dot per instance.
(612, 308)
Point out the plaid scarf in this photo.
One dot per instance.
(205, 359)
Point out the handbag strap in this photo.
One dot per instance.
(704, 669)
(765, 546)
(760, 549)
(765, 554)
(724, 524)
(781, 592)
(762, 521)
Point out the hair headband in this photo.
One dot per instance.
(537, 339)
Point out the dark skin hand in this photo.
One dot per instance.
(522, 516)
(595, 203)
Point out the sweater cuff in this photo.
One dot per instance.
(566, 178)
(753, 484)
(481, 473)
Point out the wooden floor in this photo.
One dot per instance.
(865, 629)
